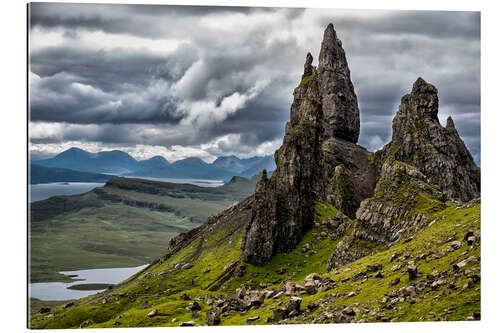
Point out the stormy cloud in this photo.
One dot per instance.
(208, 81)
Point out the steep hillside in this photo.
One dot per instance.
(336, 234)
(127, 222)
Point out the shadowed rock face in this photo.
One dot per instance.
(436, 151)
(318, 161)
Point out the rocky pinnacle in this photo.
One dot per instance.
(338, 99)
(438, 152)
(321, 135)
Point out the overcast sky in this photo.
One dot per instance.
(181, 81)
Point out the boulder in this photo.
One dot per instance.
(193, 307)
(293, 304)
(187, 266)
(279, 314)
(67, 305)
(187, 323)
(269, 293)
(279, 294)
(349, 311)
(394, 282)
(412, 271)
(255, 298)
(213, 317)
(310, 287)
(471, 240)
(241, 292)
(184, 297)
(306, 248)
(373, 268)
(290, 287)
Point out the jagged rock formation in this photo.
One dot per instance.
(318, 161)
(436, 151)
(423, 166)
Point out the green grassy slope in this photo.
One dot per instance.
(128, 222)
(217, 271)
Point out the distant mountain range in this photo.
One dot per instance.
(117, 162)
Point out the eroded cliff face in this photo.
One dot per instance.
(318, 161)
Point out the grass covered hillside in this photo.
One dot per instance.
(127, 222)
(432, 275)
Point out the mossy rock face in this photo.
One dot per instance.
(403, 199)
(305, 80)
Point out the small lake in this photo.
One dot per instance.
(57, 291)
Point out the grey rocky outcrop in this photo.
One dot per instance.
(438, 152)
(424, 162)
(318, 161)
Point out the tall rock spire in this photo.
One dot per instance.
(339, 101)
(321, 135)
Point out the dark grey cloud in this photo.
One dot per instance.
(227, 82)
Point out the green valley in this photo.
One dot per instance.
(127, 222)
